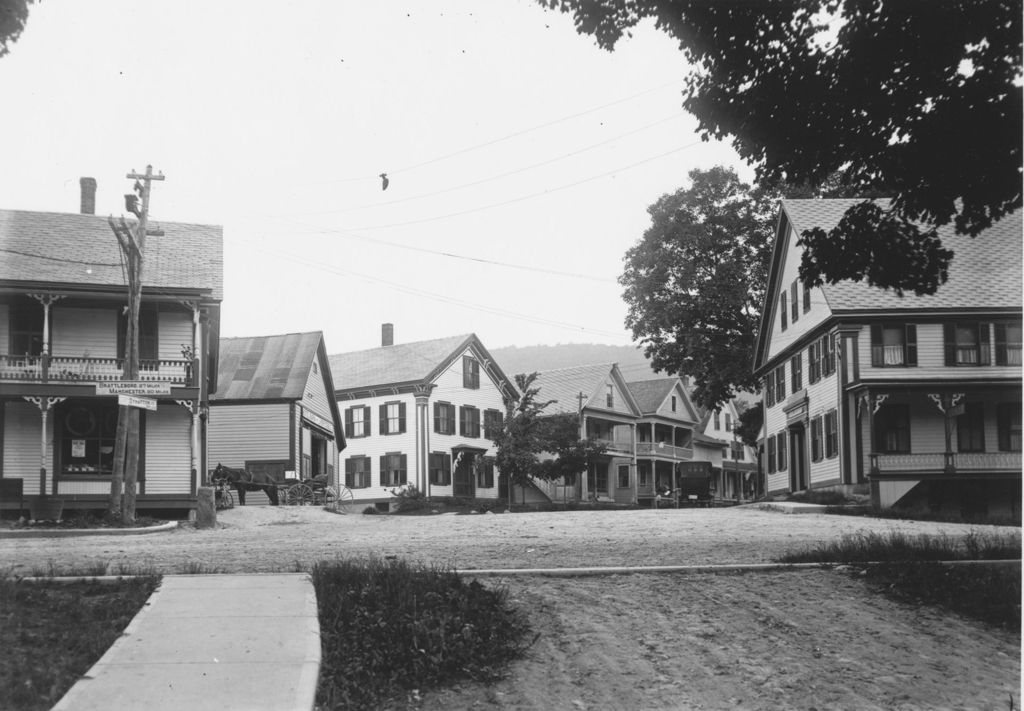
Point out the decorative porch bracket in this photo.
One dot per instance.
(45, 404)
(947, 404)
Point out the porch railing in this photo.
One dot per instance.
(663, 449)
(936, 462)
(61, 369)
(616, 445)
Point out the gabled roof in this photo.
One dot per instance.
(985, 272)
(564, 386)
(59, 247)
(410, 363)
(650, 395)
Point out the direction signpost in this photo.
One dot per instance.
(143, 403)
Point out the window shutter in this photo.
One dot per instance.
(402, 464)
(437, 419)
(949, 336)
(451, 419)
(984, 345)
(877, 348)
(462, 420)
(1001, 344)
(795, 305)
(384, 419)
(771, 455)
(350, 473)
(401, 417)
(384, 477)
(348, 426)
(911, 344)
(782, 310)
(812, 363)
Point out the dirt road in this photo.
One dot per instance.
(780, 640)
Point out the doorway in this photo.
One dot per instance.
(797, 459)
(463, 479)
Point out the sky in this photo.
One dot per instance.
(520, 157)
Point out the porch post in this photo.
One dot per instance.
(632, 469)
(193, 408)
(422, 394)
(44, 404)
(46, 300)
(586, 470)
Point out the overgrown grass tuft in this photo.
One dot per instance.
(919, 514)
(824, 497)
(388, 627)
(897, 546)
(52, 633)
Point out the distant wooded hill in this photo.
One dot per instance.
(526, 359)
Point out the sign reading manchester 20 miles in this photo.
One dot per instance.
(133, 387)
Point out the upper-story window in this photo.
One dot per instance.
(470, 372)
(149, 334)
(796, 368)
(737, 451)
(728, 422)
(821, 360)
(769, 388)
(966, 343)
(780, 383)
(357, 421)
(392, 418)
(493, 422)
(26, 328)
(444, 418)
(1008, 343)
(794, 294)
(674, 402)
(609, 395)
(783, 314)
(807, 298)
(893, 344)
(469, 421)
(718, 420)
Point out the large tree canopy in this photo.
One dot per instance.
(922, 97)
(13, 15)
(695, 282)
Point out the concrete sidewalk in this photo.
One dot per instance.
(212, 642)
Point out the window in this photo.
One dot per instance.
(828, 359)
(1008, 424)
(718, 420)
(493, 422)
(796, 371)
(728, 422)
(673, 403)
(485, 473)
(893, 344)
(970, 428)
(623, 476)
(85, 432)
(392, 418)
(1008, 343)
(440, 465)
(643, 474)
(966, 343)
(392, 469)
(609, 396)
(470, 373)
(807, 298)
(781, 448)
(357, 421)
(813, 364)
(831, 434)
(780, 383)
(149, 336)
(357, 472)
(444, 418)
(771, 455)
(892, 429)
(816, 439)
(469, 421)
(737, 451)
(794, 292)
(26, 328)
(783, 315)
(769, 388)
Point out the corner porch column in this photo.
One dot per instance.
(193, 408)
(586, 472)
(45, 404)
(422, 394)
(633, 465)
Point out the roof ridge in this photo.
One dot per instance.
(609, 364)
(459, 337)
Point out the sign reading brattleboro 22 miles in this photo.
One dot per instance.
(133, 387)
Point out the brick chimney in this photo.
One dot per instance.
(387, 334)
(88, 195)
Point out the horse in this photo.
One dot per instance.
(244, 481)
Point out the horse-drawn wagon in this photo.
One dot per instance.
(315, 491)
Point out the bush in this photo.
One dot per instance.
(409, 499)
(371, 510)
(387, 627)
(825, 497)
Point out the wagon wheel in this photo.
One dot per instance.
(224, 498)
(328, 496)
(300, 495)
(346, 501)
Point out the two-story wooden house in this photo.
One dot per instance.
(732, 464)
(275, 410)
(664, 436)
(916, 398)
(421, 414)
(63, 299)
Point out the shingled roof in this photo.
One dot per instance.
(59, 247)
(408, 363)
(266, 367)
(649, 394)
(985, 272)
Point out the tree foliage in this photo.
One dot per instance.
(13, 16)
(923, 98)
(695, 282)
(748, 428)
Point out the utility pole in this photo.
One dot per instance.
(126, 445)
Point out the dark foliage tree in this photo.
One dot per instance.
(13, 15)
(748, 428)
(695, 282)
(923, 98)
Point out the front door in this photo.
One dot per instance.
(797, 460)
(463, 484)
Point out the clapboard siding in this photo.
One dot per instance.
(175, 332)
(89, 333)
(251, 431)
(168, 456)
(822, 397)
(84, 488)
(314, 398)
(931, 359)
(806, 322)
(377, 444)
(22, 423)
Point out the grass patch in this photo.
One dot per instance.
(389, 628)
(919, 514)
(52, 633)
(86, 519)
(911, 571)
(824, 497)
(896, 546)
